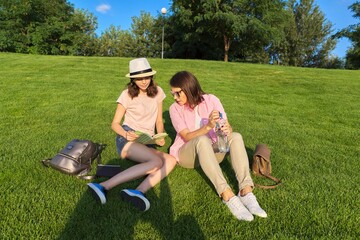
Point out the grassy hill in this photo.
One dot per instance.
(309, 118)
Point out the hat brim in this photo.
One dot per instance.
(148, 74)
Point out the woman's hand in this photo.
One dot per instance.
(160, 142)
(226, 128)
(131, 136)
(213, 118)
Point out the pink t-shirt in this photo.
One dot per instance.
(141, 111)
(183, 117)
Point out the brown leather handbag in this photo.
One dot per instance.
(261, 165)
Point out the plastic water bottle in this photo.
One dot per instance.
(222, 139)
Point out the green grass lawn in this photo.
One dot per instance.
(308, 117)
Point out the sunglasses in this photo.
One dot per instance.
(176, 94)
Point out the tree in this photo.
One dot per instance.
(45, 27)
(308, 42)
(260, 39)
(116, 42)
(14, 21)
(146, 41)
(235, 29)
(79, 37)
(193, 30)
(352, 32)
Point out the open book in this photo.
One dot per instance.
(145, 138)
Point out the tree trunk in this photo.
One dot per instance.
(226, 48)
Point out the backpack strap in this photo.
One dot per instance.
(83, 175)
(46, 161)
(100, 148)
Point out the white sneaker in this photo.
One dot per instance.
(238, 209)
(250, 202)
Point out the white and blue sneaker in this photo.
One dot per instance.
(98, 192)
(136, 198)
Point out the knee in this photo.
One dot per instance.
(154, 162)
(203, 141)
(171, 160)
(157, 163)
(235, 136)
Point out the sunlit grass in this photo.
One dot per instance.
(308, 117)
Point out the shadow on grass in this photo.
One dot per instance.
(120, 220)
(168, 127)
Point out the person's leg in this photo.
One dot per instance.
(154, 178)
(199, 151)
(136, 197)
(240, 163)
(148, 163)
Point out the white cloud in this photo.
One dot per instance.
(103, 8)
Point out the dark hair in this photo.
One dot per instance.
(189, 85)
(134, 90)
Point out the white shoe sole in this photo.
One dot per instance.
(139, 201)
(98, 192)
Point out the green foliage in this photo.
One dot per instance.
(238, 29)
(308, 42)
(308, 117)
(352, 32)
(50, 27)
(291, 32)
(189, 31)
(142, 40)
(146, 41)
(115, 42)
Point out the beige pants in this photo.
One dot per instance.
(199, 151)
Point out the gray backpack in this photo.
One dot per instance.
(76, 158)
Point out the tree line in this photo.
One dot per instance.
(290, 33)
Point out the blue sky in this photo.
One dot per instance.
(120, 12)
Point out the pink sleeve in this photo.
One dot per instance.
(161, 95)
(217, 105)
(177, 118)
(124, 98)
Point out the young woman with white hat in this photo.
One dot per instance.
(141, 107)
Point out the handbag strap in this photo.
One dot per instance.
(276, 180)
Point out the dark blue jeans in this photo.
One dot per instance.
(121, 141)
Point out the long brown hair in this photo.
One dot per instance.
(134, 90)
(190, 86)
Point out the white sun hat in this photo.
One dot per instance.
(140, 68)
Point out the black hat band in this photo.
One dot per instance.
(140, 72)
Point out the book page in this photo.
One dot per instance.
(159, 136)
(145, 138)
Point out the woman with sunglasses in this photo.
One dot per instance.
(141, 107)
(194, 116)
